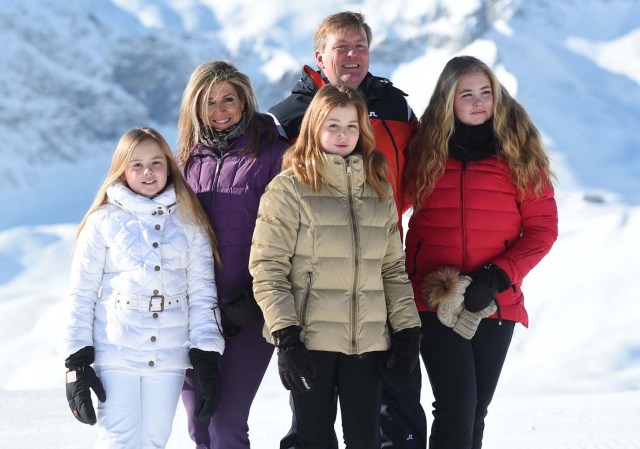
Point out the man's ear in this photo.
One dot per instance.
(319, 60)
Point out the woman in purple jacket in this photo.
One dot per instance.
(229, 153)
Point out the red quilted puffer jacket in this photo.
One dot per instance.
(475, 216)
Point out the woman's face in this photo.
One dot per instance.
(223, 107)
(340, 131)
(473, 101)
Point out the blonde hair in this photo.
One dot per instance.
(346, 20)
(306, 156)
(194, 104)
(189, 205)
(519, 142)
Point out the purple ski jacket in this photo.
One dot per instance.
(229, 187)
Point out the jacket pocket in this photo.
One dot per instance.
(412, 261)
(305, 300)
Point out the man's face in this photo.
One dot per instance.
(345, 58)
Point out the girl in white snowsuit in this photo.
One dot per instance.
(141, 299)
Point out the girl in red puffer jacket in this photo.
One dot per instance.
(484, 215)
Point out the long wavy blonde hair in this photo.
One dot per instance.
(194, 106)
(190, 207)
(306, 156)
(519, 142)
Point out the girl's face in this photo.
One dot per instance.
(473, 102)
(340, 131)
(147, 171)
(223, 107)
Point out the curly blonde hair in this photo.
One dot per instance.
(519, 141)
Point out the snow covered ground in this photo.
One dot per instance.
(572, 380)
(41, 418)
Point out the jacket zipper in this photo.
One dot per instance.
(305, 301)
(356, 265)
(463, 243)
(217, 172)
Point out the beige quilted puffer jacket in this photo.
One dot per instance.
(331, 261)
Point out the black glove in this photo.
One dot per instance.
(399, 362)
(80, 379)
(295, 364)
(487, 283)
(207, 377)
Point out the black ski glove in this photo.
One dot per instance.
(295, 364)
(207, 377)
(487, 283)
(80, 379)
(399, 362)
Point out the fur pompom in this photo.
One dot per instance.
(444, 289)
(439, 285)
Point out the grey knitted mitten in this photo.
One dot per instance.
(468, 323)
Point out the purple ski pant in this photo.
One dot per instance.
(242, 367)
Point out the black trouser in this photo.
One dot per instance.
(403, 424)
(357, 382)
(464, 375)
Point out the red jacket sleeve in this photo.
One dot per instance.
(539, 232)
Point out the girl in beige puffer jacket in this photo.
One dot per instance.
(328, 270)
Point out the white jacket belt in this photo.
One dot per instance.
(141, 247)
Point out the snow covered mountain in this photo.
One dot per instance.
(76, 74)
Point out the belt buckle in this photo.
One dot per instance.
(153, 303)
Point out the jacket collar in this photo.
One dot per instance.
(373, 87)
(201, 149)
(335, 171)
(123, 197)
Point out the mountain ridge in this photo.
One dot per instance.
(78, 74)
